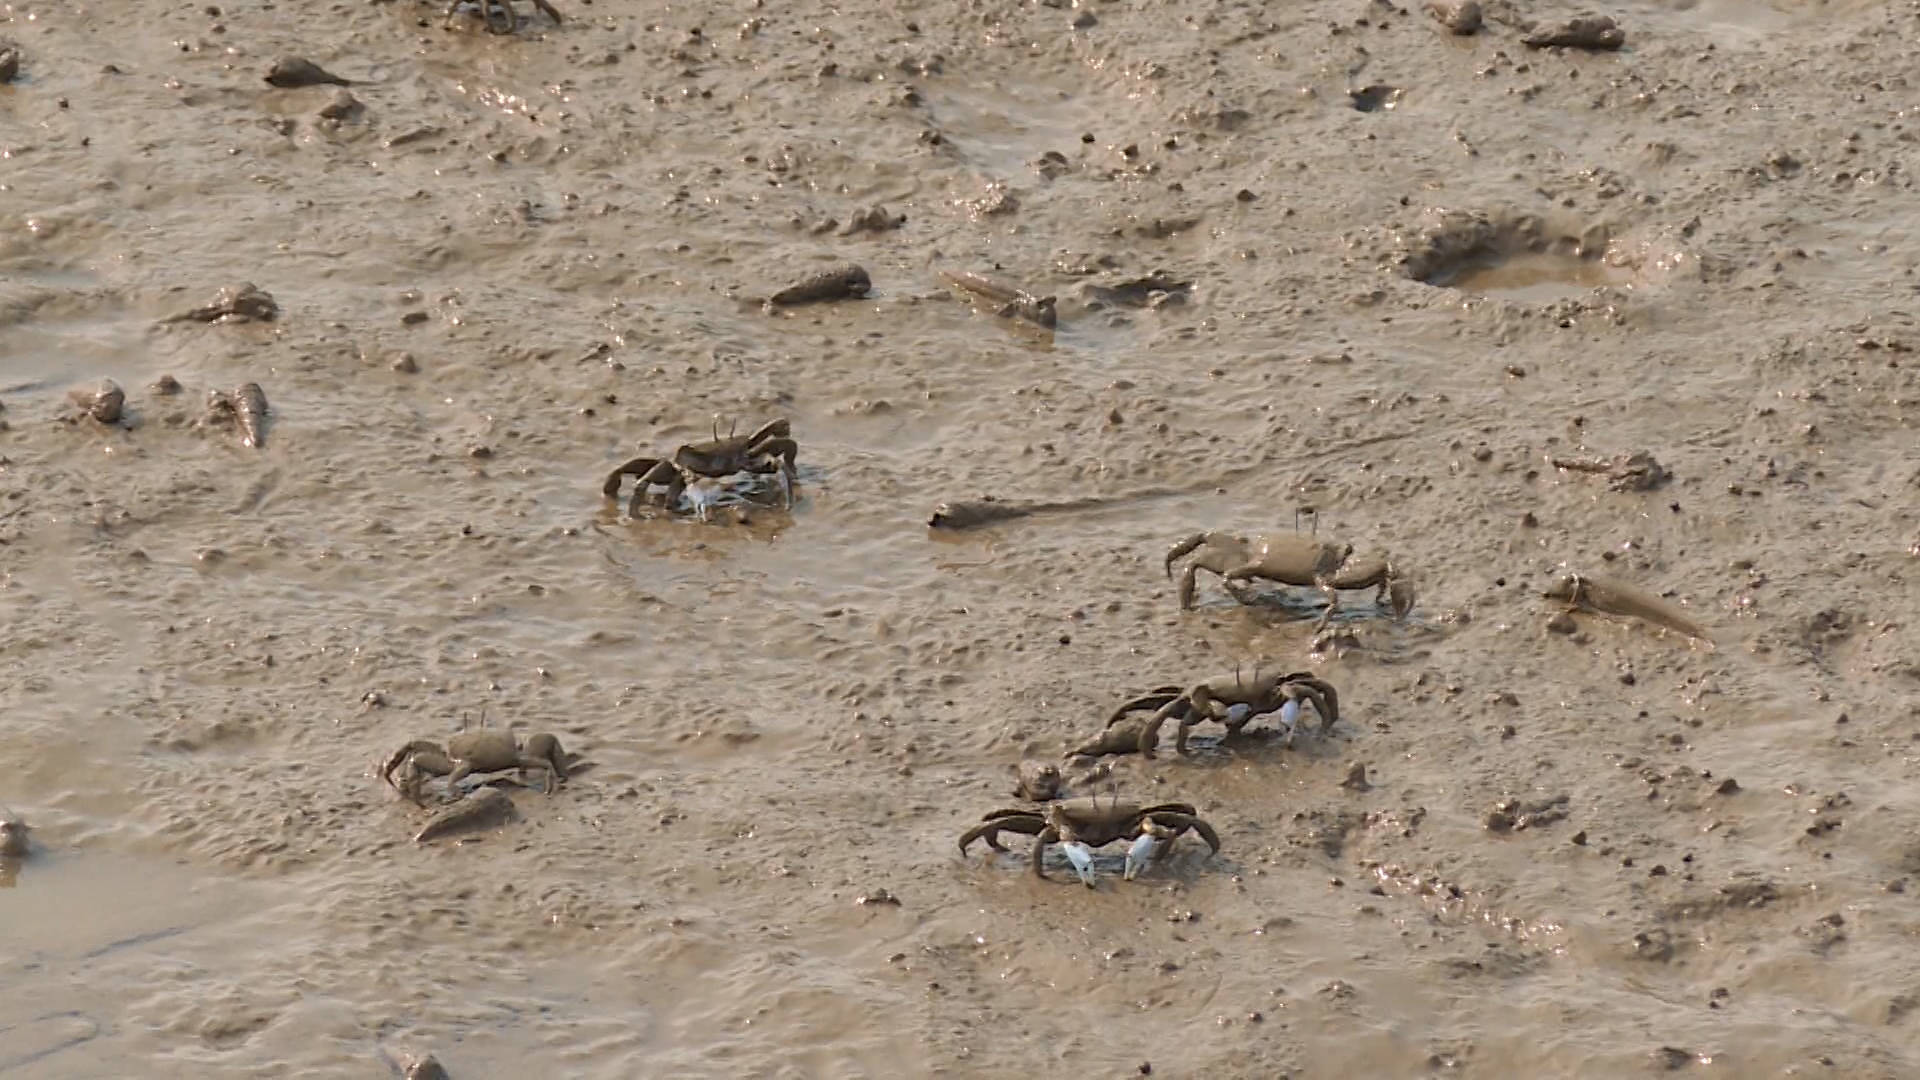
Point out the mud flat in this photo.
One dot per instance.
(1331, 256)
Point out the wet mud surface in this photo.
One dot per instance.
(1538, 842)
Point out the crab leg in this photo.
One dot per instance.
(1219, 553)
(1152, 699)
(640, 466)
(1320, 697)
(1150, 734)
(990, 830)
(1047, 835)
(1178, 823)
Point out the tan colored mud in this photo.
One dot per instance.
(523, 260)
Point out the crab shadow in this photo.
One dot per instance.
(1358, 630)
(1284, 605)
(1253, 743)
(1185, 863)
(507, 781)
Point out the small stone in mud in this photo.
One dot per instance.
(9, 62)
(1671, 1058)
(873, 219)
(1356, 777)
(1579, 839)
(877, 896)
(405, 364)
(1514, 815)
(1727, 787)
(244, 302)
(1561, 623)
(104, 401)
(1597, 32)
(1461, 17)
(341, 106)
(848, 282)
(427, 1068)
(1141, 291)
(1655, 945)
(166, 386)
(289, 72)
(1374, 98)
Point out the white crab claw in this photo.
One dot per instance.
(1237, 714)
(1290, 717)
(1140, 853)
(703, 495)
(1081, 857)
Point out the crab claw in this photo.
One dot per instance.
(1140, 853)
(1400, 594)
(1081, 857)
(1238, 714)
(703, 495)
(1290, 717)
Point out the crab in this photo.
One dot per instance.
(1636, 470)
(1233, 701)
(500, 15)
(768, 449)
(1038, 781)
(1080, 824)
(484, 751)
(1290, 559)
(13, 836)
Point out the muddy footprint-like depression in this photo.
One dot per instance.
(1093, 538)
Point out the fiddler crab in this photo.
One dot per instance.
(13, 836)
(499, 14)
(696, 466)
(1231, 700)
(1290, 559)
(1082, 824)
(487, 750)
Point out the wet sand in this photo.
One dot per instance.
(520, 261)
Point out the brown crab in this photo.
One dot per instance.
(1636, 470)
(1039, 781)
(1290, 559)
(13, 837)
(769, 449)
(1088, 822)
(484, 751)
(1232, 700)
(500, 15)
